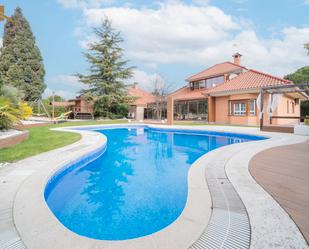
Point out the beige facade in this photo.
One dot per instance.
(232, 94)
(287, 107)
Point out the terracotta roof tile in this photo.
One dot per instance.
(143, 97)
(251, 79)
(218, 69)
(185, 93)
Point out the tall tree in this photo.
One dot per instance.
(301, 76)
(307, 47)
(160, 91)
(21, 63)
(108, 71)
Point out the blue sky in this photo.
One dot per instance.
(169, 40)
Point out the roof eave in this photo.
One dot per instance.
(232, 92)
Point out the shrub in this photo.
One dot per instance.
(9, 114)
(105, 107)
(5, 123)
(25, 110)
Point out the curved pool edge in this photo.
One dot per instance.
(38, 226)
(271, 225)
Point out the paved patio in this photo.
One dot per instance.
(284, 173)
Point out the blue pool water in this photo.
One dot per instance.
(136, 187)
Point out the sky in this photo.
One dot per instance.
(168, 40)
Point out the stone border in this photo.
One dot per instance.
(13, 139)
(50, 228)
(38, 226)
(271, 226)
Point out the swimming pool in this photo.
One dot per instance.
(136, 187)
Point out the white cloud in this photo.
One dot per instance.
(75, 4)
(306, 1)
(145, 80)
(64, 94)
(67, 80)
(67, 86)
(168, 34)
(177, 33)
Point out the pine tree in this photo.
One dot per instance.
(21, 63)
(107, 72)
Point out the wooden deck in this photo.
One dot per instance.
(276, 128)
(284, 173)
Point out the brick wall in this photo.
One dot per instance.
(13, 140)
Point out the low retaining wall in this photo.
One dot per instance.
(14, 139)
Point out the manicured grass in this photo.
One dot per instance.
(42, 139)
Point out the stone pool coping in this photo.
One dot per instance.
(39, 228)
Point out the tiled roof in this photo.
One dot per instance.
(216, 70)
(248, 80)
(185, 93)
(143, 97)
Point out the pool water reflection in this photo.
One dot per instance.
(137, 187)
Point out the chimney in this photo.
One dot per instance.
(135, 85)
(237, 58)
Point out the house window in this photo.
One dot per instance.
(202, 83)
(202, 107)
(240, 109)
(287, 107)
(193, 107)
(252, 104)
(214, 81)
(195, 85)
(293, 107)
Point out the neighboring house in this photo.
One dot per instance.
(138, 109)
(228, 92)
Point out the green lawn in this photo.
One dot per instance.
(42, 139)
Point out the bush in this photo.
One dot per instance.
(5, 123)
(12, 93)
(9, 114)
(120, 110)
(25, 110)
(304, 108)
(108, 108)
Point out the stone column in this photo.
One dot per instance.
(170, 110)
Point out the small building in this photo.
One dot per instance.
(138, 109)
(228, 93)
(80, 107)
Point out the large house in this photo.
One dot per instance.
(228, 93)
